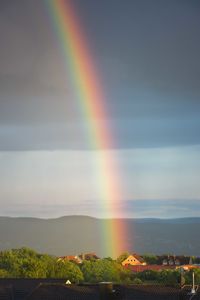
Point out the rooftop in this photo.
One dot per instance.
(55, 289)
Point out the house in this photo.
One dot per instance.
(88, 256)
(71, 258)
(172, 260)
(78, 258)
(134, 260)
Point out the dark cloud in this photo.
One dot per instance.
(147, 55)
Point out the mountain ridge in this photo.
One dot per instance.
(78, 233)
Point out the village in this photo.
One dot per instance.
(139, 263)
(26, 274)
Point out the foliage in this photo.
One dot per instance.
(104, 270)
(67, 270)
(150, 259)
(196, 260)
(188, 276)
(137, 281)
(169, 277)
(26, 263)
(148, 275)
(165, 277)
(4, 273)
(122, 257)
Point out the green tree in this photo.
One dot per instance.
(137, 281)
(26, 263)
(67, 270)
(4, 274)
(150, 259)
(104, 270)
(148, 275)
(188, 276)
(122, 257)
(169, 277)
(23, 263)
(9, 263)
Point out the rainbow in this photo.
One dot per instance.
(80, 65)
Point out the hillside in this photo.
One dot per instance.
(76, 234)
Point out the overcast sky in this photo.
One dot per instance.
(147, 56)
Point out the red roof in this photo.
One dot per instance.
(141, 268)
(138, 257)
(70, 258)
(88, 256)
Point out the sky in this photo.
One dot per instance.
(147, 57)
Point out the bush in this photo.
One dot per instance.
(137, 281)
(169, 277)
(188, 276)
(148, 275)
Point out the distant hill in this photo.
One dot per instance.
(76, 234)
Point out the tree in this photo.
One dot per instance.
(122, 257)
(188, 276)
(4, 273)
(67, 270)
(104, 270)
(169, 277)
(26, 263)
(9, 263)
(150, 259)
(148, 275)
(137, 281)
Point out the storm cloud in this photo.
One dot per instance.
(147, 56)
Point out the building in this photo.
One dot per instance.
(78, 258)
(173, 260)
(71, 258)
(134, 260)
(88, 256)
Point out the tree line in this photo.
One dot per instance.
(27, 263)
